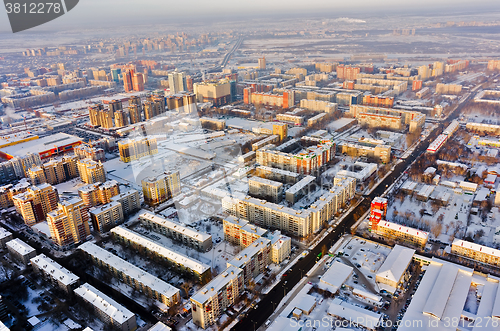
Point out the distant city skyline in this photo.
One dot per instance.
(114, 12)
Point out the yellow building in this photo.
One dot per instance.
(69, 223)
(280, 129)
(161, 188)
(34, 204)
(135, 148)
(216, 92)
(476, 252)
(91, 171)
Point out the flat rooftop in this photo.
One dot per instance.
(217, 284)
(41, 145)
(166, 252)
(20, 246)
(54, 269)
(104, 303)
(174, 226)
(129, 269)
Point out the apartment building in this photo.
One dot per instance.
(176, 261)
(20, 251)
(387, 117)
(159, 189)
(5, 236)
(130, 201)
(54, 273)
(106, 216)
(281, 247)
(265, 189)
(108, 310)
(135, 277)
(476, 252)
(393, 231)
(69, 223)
(381, 152)
(36, 202)
(283, 176)
(89, 152)
(91, 171)
(212, 123)
(264, 142)
(306, 161)
(184, 234)
(296, 222)
(209, 303)
(288, 118)
(254, 259)
(133, 149)
(300, 189)
(99, 193)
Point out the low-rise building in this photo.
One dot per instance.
(5, 236)
(135, 277)
(403, 233)
(186, 235)
(393, 272)
(476, 252)
(107, 309)
(53, 272)
(265, 189)
(20, 250)
(175, 260)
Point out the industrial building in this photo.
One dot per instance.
(393, 273)
(46, 147)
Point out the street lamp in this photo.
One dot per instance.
(253, 325)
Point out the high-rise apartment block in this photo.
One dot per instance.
(347, 72)
(106, 216)
(85, 151)
(262, 63)
(182, 102)
(130, 201)
(217, 92)
(208, 303)
(177, 82)
(34, 204)
(54, 171)
(161, 188)
(69, 223)
(99, 193)
(134, 148)
(133, 81)
(281, 129)
(91, 171)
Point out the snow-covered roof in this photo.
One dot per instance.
(404, 229)
(129, 269)
(396, 263)
(249, 252)
(437, 143)
(426, 191)
(104, 303)
(174, 226)
(4, 233)
(282, 323)
(216, 284)
(54, 269)
(409, 185)
(264, 181)
(468, 186)
(336, 276)
(3, 327)
(278, 171)
(166, 252)
(304, 182)
(353, 313)
(476, 247)
(159, 327)
(366, 294)
(20, 246)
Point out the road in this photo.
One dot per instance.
(256, 317)
(228, 55)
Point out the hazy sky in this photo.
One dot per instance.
(102, 13)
